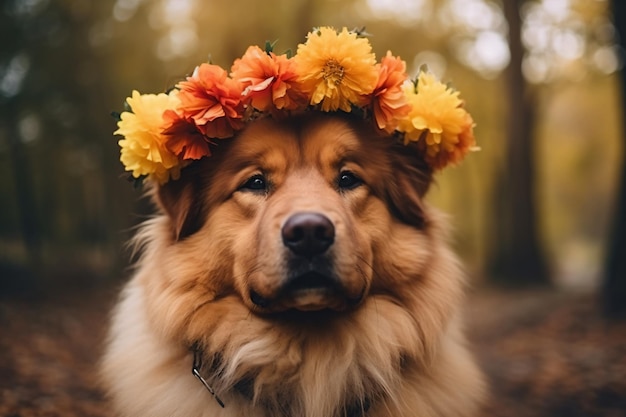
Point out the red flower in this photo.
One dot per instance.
(213, 101)
(452, 153)
(388, 99)
(184, 139)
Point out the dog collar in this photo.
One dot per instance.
(196, 369)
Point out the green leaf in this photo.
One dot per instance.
(361, 32)
(269, 46)
(137, 182)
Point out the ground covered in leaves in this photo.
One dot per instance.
(546, 354)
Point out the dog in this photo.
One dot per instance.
(297, 272)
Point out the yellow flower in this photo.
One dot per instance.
(438, 122)
(143, 147)
(336, 69)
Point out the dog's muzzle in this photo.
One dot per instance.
(310, 282)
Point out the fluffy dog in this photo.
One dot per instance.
(301, 274)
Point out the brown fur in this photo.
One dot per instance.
(390, 344)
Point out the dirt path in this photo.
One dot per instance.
(549, 354)
(546, 354)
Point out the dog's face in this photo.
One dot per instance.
(294, 215)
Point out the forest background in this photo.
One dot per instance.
(540, 78)
(537, 213)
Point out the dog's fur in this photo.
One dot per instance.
(381, 338)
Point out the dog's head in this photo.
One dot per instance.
(290, 214)
(295, 257)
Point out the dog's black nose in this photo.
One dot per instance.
(308, 233)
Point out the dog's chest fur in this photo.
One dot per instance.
(155, 378)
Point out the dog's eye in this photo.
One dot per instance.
(255, 183)
(348, 180)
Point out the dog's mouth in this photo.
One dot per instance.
(309, 291)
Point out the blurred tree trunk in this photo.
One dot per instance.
(516, 256)
(615, 268)
(24, 187)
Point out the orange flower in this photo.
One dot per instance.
(270, 80)
(438, 122)
(213, 101)
(446, 153)
(389, 101)
(184, 139)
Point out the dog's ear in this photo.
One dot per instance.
(181, 201)
(411, 179)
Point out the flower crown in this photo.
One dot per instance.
(333, 71)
